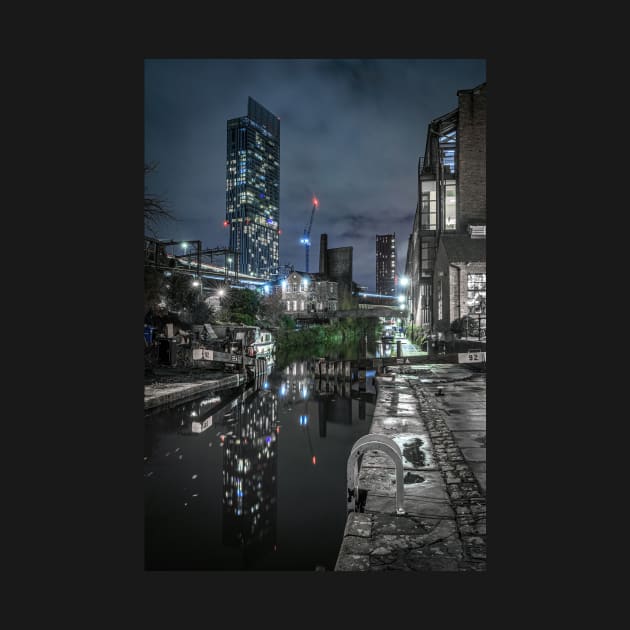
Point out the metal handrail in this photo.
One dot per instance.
(374, 441)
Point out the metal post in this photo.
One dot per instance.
(362, 378)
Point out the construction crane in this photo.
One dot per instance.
(306, 239)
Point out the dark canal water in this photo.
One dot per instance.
(253, 480)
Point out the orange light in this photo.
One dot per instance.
(314, 460)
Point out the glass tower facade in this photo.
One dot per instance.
(253, 190)
(386, 264)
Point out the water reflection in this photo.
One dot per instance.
(250, 476)
(212, 470)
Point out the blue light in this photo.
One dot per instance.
(239, 493)
(265, 385)
(268, 439)
(303, 420)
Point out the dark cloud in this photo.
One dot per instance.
(351, 133)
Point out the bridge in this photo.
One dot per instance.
(363, 311)
(372, 310)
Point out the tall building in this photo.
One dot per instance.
(386, 264)
(336, 265)
(446, 254)
(253, 190)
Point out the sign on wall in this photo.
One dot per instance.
(473, 356)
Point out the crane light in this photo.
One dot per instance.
(315, 201)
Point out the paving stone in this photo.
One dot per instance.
(412, 506)
(352, 562)
(390, 524)
(358, 524)
(354, 545)
(428, 540)
(474, 454)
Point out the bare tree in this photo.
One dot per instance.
(155, 208)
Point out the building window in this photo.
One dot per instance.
(476, 297)
(439, 300)
(428, 211)
(450, 207)
(427, 257)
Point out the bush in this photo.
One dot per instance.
(466, 325)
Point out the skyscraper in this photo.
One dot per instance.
(386, 264)
(253, 189)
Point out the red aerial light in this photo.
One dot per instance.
(277, 429)
(279, 231)
(226, 223)
(314, 460)
(315, 202)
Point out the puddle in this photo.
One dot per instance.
(413, 453)
(412, 478)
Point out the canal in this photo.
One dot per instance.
(253, 480)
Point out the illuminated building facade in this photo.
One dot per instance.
(386, 264)
(253, 190)
(306, 293)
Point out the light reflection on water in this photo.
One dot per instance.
(254, 480)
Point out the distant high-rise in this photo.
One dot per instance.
(386, 264)
(253, 189)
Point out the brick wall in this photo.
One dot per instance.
(471, 156)
(339, 263)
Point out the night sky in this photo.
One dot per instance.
(351, 132)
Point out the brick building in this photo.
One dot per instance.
(336, 265)
(446, 259)
(308, 293)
